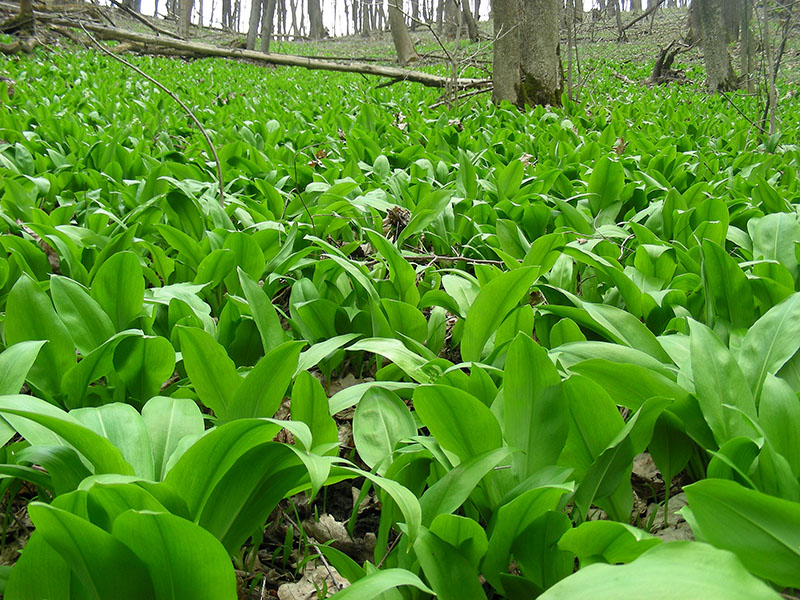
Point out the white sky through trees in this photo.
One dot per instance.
(335, 23)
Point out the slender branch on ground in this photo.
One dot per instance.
(144, 21)
(174, 96)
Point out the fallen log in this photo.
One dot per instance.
(200, 49)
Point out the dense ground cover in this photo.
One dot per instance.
(524, 302)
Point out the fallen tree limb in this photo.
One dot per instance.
(201, 49)
(144, 21)
(644, 15)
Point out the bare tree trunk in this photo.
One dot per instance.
(636, 6)
(472, 26)
(477, 10)
(26, 8)
(402, 40)
(185, 17)
(365, 18)
(772, 96)
(527, 63)
(451, 18)
(747, 52)
(414, 14)
(252, 25)
(226, 14)
(317, 31)
(440, 15)
(719, 72)
(266, 25)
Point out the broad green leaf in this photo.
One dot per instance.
(85, 319)
(263, 389)
(64, 465)
(452, 490)
(118, 287)
(607, 541)
(381, 420)
(171, 549)
(666, 572)
(460, 422)
(123, 426)
(463, 533)
(100, 452)
(264, 313)
(373, 585)
(401, 273)
(103, 564)
(30, 316)
(144, 364)
(778, 415)
(535, 411)
(770, 343)
(168, 421)
(210, 370)
(538, 554)
(763, 531)
(15, 362)
(728, 287)
(410, 362)
(513, 518)
(448, 571)
(719, 383)
(25, 582)
(215, 267)
(605, 184)
(310, 406)
(494, 301)
(775, 237)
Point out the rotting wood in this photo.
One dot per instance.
(201, 49)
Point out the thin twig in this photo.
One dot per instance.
(174, 96)
(317, 548)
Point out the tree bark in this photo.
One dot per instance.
(469, 20)
(185, 7)
(636, 6)
(451, 18)
(719, 71)
(403, 45)
(527, 63)
(747, 52)
(266, 26)
(252, 25)
(317, 31)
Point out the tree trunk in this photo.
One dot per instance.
(527, 63)
(226, 14)
(252, 25)
(26, 8)
(414, 14)
(266, 25)
(315, 20)
(402, 40)
(451, 18)
(719, 72)
(472, 26)
(747, 52)
(185, 19)
(636, 6)
(365, 25)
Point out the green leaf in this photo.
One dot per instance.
(85, 319)
(452, 490)
(263, 389)
(448, 571)
(401, 273)
(380, 421)
(15, 362)
(605, 184)
(459, 421)
(763, 531)
(168, 421)
(666, 572)
(144, 364)
(538, 554)
(209, 368)
(373, 585)
(310, 406)
(770, 343)
(607, 541)
(535, 413)
(264, 313)
(30, 316)
(171, 549)
(719, 383)
(105, 566)
(100, 452)
(411, 363)
(728, 287)
(118, 287)
(494, 301)
(25, 582)
(123, 426)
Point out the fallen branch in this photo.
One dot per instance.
(201, 49)
(644, 15)
(144, 21)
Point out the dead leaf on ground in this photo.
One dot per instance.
(329, 529)
(314, 579)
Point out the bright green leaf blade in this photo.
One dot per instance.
(15, 362)
(144, 364)
(103, 564)
(118, 287)
(494, 301)
(380, 421)
(209, 368)
(607, 541)
(171, 549)
(264, 313)
(377, 583)
(666, 572)
(168, 421)
(83, 316)
(449, 573)
(763, 531)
